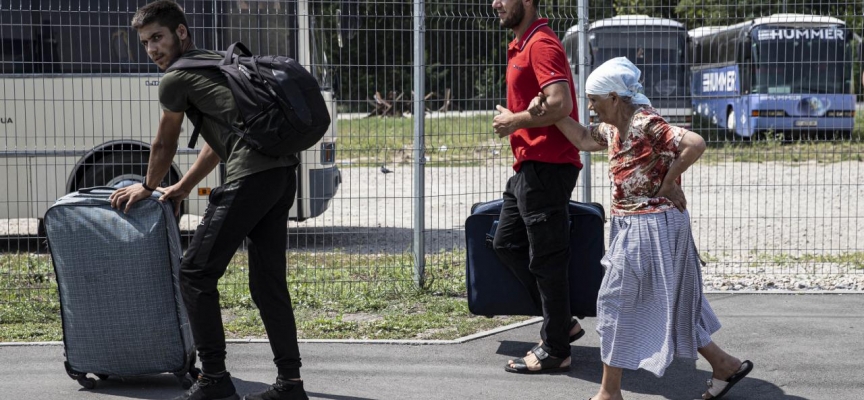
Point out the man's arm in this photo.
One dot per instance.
(205, 163)
(164, 146)
(559, 104)
(162, 152)
(575, 132)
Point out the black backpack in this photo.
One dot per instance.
(279, 100)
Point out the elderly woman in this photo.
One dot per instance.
(650, 307)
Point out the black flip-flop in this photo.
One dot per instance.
(745, 369)
(548, 364)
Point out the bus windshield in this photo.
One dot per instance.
(320, 63)
(797, 64)
(660, 57)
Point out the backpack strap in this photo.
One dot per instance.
(196, 130)
(199, 118)
(197, 63)
(244, 51)
(193, 63)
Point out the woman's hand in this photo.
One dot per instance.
(674, 193)
(537, 107)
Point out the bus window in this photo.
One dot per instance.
(29, 41)
(801, 66)
(320, 62)
(82, 36)
(266, 27)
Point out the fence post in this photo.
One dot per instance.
(419, 114)
(581, 98)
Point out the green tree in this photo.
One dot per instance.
(651, 8)
(697, 13)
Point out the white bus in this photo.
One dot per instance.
(658, 46)
(80, 97)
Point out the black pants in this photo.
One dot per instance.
(256, 207)
(533, 240)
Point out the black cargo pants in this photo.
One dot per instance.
(533, 240)
(254, 207)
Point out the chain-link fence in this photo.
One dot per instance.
(773, 87)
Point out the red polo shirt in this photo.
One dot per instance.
(537, 61)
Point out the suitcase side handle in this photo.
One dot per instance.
(90, 190)
(490, 236)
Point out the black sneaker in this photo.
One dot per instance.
(281, 390)
(211, 388)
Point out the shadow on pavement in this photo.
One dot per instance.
(162, 386)
(165, 386)
(335, 396)
(680, 378)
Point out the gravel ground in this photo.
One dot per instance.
(760, 226)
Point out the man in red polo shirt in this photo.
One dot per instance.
(533, 235)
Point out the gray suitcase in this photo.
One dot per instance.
(117, 276)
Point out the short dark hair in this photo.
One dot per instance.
(166, 13)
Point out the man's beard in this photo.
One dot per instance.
(177, 49)
(515, 18)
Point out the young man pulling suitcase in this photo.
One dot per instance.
(252, 203)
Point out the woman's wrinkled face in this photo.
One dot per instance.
(602, 106)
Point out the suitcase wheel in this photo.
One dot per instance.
(80, 377)
(87, 383)
(185, 380)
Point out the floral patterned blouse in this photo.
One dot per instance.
(639, 161)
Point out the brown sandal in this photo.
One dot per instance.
(574, 337)
(548, 364)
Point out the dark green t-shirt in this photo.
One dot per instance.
(207, 91)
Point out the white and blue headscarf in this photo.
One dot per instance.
(617, 75)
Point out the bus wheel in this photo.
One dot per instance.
(123, 168)
(730, 120)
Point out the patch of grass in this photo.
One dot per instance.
(468, 140)
(451, 140)
(708, 257)
(853, 259)
(777, 151)
(775, 147)
(335, 295)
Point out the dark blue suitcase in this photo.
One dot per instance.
(494, 290)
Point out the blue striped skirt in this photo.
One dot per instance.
(650, 307)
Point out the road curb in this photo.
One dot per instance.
(477, 335)
(409, 342)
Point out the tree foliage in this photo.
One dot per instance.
(466, 48)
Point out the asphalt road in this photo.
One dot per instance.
(803, 347)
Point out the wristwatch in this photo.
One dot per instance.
(147, 187)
